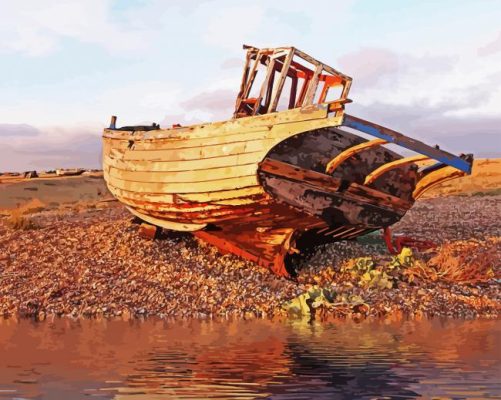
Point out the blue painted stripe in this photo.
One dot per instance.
(409, 143)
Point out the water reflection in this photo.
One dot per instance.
(249, 359)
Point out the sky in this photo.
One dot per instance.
(430, 69)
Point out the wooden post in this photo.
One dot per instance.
(312, 88)
(281, 80)
(148, 231)
(113, 123)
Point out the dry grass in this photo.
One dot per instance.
(463, 261)
(17, 220)
(484, 180)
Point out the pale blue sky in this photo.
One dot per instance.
(429, 68)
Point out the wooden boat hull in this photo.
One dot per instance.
(268, 185)
(186, 178)
(254, 186)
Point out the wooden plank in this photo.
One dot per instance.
(165, 198)
(222, 194)
(346, 89)
(293, 93)
(206, 218)
(240, 125)
(264, 87)
(280, 132)
(435, 178)
(315, 62)
(245, 75)
(252, 74)
(188, 177)
(202, 216)
(330, 184)
(148, 231)
(176, 143)
(194, 153)
(312, 87)
(296, 173)
(277, 90)
(167, 224)
(178, 188)
(178, 166)
(230, 204)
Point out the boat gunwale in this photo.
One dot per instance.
(300, 114)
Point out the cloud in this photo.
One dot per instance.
(233, 24)
(37, 28)
(232, 62)
(53, 147)
(491, 47)
(370, 65)
(210, 105)
(214, 101)
(184, 62)
(17, 130)
(478, 135)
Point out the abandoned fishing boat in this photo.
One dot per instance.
(289, 171)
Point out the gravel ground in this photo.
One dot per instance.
(91, 262)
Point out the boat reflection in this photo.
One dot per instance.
(249, 359)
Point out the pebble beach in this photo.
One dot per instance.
(89, 261)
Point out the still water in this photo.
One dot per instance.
(154, 359)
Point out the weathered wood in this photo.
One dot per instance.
(277, 90)
(329, 69)
(180, 188)
(299, 174)
(187, 165)
(148, 231)
(257, 186)
(435, 178)
(264, 87)
(176, 226)
(188, 177)
(255, 123)
(343, 156)
(392, 165)
(332, 185)
(462, 162)
(313, 85)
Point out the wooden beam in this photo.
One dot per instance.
(392, 165)
(275, 97)
(252, 75)
(332, 185)
(435, 178)
(243, 84)
(351, 151)
(292, 98)
(264, 87)
(312, 87)
(462, 162)
(315, 62)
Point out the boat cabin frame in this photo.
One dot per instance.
(289, 79)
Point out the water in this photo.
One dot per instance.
(154, 359)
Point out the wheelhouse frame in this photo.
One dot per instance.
(310, 81)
